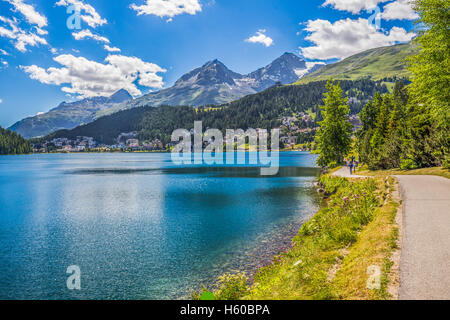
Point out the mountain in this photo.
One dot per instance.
(120, 96)
(284, 70)
(68, 115)
(214, 83)
(261, 110)
(376, 64)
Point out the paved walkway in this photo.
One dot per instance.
(344, 172)
(425, 257)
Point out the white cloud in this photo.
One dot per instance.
(32, 16)
(3, 52)
(1, 101)
(111, 49)
(89, 78)
(83, 34)
(347, 37)
(399, 10)
(9, 27)
(91, 16)
(168, 8)
(353, 6)
(20, 37)
(260, 37)
(41, 32)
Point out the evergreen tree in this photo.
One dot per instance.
(12, 143)
(381, 138)
(334, 136)
(429, 117)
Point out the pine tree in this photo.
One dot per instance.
(334, 136)
(430, 115)
(12, 143)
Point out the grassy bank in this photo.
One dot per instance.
(435, 171)
(331, 255)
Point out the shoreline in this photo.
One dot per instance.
(151, 152)
(267, 246)
(321, 263)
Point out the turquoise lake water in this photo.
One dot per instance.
(140, 227)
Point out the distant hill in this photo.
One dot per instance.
(68, 115)
(214, 83)
(375, 64)
(12, 143)
(261, 110)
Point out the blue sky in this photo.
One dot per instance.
(43, 62)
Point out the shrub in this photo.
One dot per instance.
(232, 287)
(408, 164)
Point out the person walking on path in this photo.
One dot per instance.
(350, 165)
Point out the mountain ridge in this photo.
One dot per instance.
(214, 83)
(68, 115)
(261, 110)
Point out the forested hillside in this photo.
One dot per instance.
(410, 127)
(12, 143)
(260, 110)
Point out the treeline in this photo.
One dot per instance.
(410, 128)
(13, 143)
(260, 110)
(382, 137)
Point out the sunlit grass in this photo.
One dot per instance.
(436, 171)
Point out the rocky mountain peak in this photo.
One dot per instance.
(282, 69)
(120, 96)
(212, 73)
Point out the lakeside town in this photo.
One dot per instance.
(297, 133)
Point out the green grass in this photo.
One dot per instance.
(374, 248)
(436, 171)
(376, 64)
(328, 259)
(312, 268)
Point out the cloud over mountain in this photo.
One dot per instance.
(88, 78)
(260, 37)
(346, 37)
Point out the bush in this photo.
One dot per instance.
(350, 207)
(232, 287)
(408, 164)
(446, 162)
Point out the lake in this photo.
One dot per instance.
(140, 227)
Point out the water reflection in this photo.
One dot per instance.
(138, 227)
